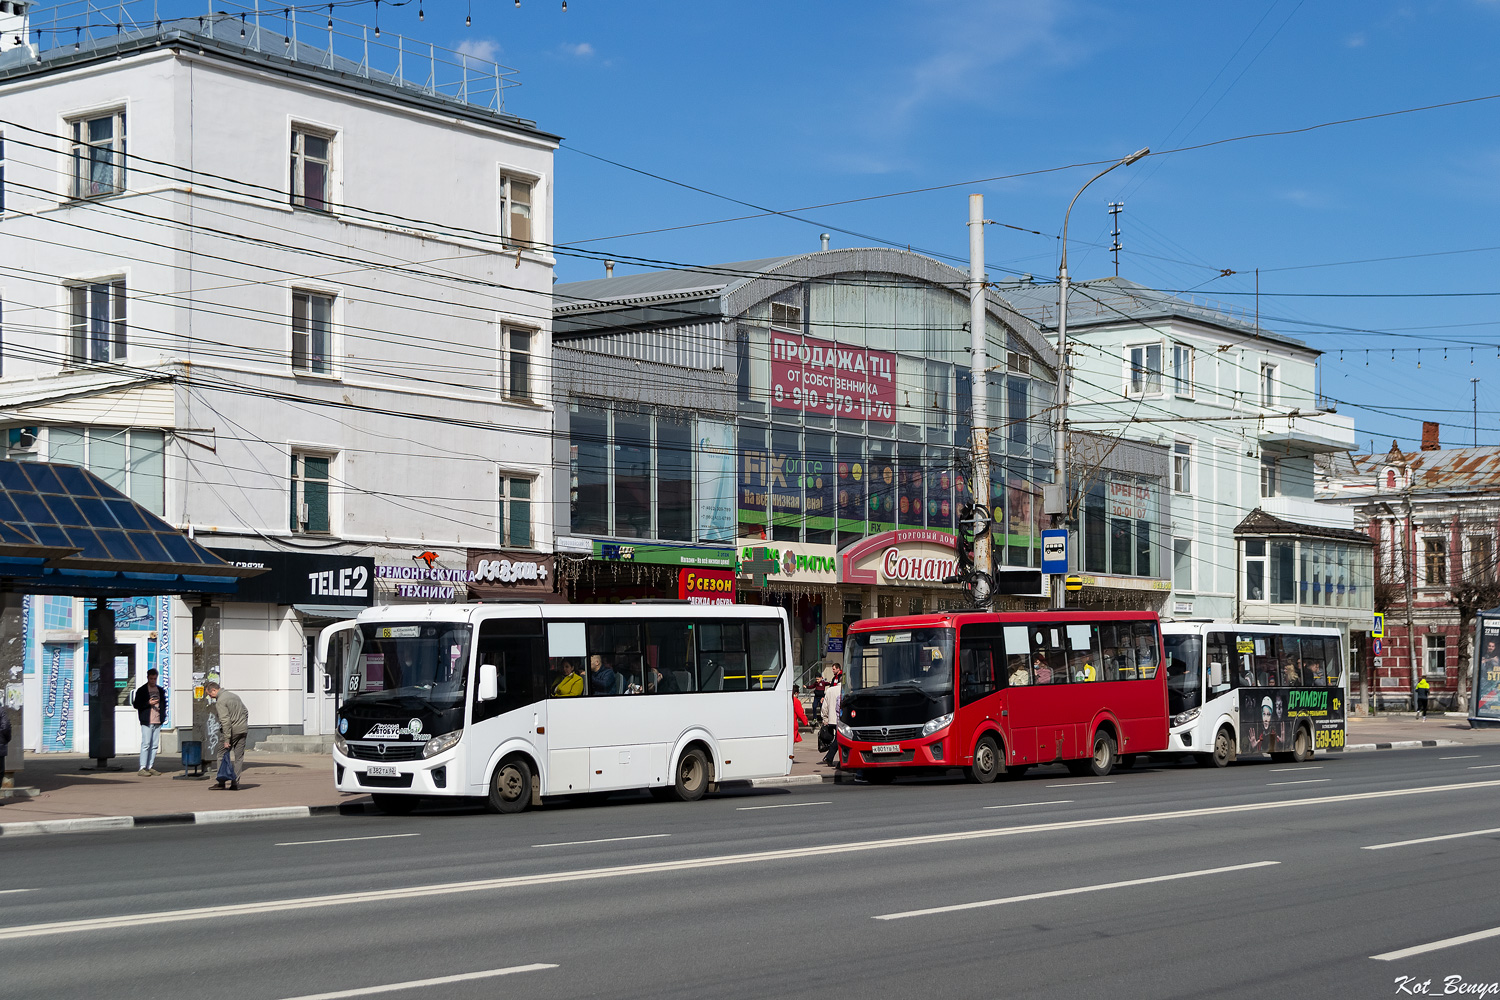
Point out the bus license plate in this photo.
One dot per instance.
(382, 771)
(887, 748)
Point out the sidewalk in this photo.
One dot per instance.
(1373, 731)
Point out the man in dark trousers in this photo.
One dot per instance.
(234, 727)
(150, 703)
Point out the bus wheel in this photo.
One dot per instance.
(987, 764)
(510, 787)
(1103, 760)
(878, 775)
(1302, 748)
(692, 775)
(1223, 748)
(394, 805)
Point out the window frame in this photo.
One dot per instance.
(507, 202)
(1149, 387)
(507, 500)
(118, 145)
(133, 450)
(297, 482)
(1270, 477)
(1182, 383)
(1182, 467)
(297, 158)
(335, 307)
(1434, 545)
(508, 353)
(1433, 643)
(1266, 387)
(1263, 559)
(1182, 549)
(1480, 568)
(81, 294)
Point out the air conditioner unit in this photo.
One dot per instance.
(302, 516)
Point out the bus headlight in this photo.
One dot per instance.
(438, 744)
(941, 722)
(340, 745)
(845, 731)
(1183, 718)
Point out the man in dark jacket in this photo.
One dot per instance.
(150, 703)
(234, 727)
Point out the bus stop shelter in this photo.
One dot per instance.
(64, 531)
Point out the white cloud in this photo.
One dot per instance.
(480, 48)
(1356, 41)
(582, 50)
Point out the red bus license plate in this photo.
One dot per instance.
(887, 748)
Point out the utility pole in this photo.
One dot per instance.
(979, 365)
(1114, 210)
(1407, 547)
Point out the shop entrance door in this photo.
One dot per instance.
(319, 688)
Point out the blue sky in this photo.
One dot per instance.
(794, 103)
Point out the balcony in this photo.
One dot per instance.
(1309, 433)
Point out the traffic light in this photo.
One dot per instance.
(973, 524)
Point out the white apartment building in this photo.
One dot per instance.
(1238, 408)
(275, 283)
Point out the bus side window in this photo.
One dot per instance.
(765, 655)
(721, 656)
(516, 648)
(1244, 660)
(1017, 656)
(1314, 661)
(1294, 659)
(1333, 660)
(1049, 660)
(1110, 655)
(1147, 647)
(1220, 663)
(670, 664)
(976, 664)
(1083, 652)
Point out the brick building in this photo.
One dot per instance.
(1433, 515)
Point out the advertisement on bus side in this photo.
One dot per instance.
(1268, 718)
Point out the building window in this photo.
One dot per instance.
(1182, 467)
(515, 210)
(1437, 655)
(515, 512)
(1481, 559)
(785, 316)
(517, 363)
(1182, 370)
(97, 322)
(1182, 564)
(1145, 371)
(1255, 569)
(312, 333)
(1435, 554)
(131, 460)
(310, 494)
(98, 154)
(1283, 572)
(312, 170)
(1268, 386)
(1268, 477)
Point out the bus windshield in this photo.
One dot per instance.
(407, 672)
(1184, 672)
(920, 658)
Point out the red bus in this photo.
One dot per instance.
(995, 693)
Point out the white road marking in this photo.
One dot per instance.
(276, 907)
(1072, 892)
(1467, 756)
(345, 840)
(1482, 767)
(1018, 805)
(783, 805)
(606, 840)
(1303, 767)
(4, 891)
(1082, 784)
(1304, 781)
(1422, 949)
(415, 983)
(1432, 840)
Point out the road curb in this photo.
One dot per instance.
(1402, 745)
(91, 824)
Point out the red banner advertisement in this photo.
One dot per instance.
(819, 376)
(706, 586)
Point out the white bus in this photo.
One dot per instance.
(513, 702)
(1236, 689)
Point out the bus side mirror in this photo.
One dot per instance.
(489, 682)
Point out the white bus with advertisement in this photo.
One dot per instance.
(1236, 689)
(514, 702)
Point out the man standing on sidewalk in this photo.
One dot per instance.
(234, 727)
(831, 699)
(150, 703)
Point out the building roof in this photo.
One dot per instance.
(650, 286)
(1114, 300)
(1446, 470)
(393, 66)
(1258, 522)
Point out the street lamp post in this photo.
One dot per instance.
(1057, 497)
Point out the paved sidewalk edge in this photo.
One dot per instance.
(1402, 745)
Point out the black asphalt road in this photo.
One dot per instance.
(1166, 881)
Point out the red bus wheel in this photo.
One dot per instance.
(988, 764)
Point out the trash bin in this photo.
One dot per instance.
(192, 755)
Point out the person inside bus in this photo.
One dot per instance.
(662, 682)
(1039, 668)
(629, 676)
(570, 684)
(601, 674)
(1020, 673)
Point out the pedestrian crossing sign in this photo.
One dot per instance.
(1377, 630)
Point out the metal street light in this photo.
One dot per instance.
(1059, 496)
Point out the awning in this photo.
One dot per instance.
(338, 611)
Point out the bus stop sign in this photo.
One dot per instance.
(1055, 551)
